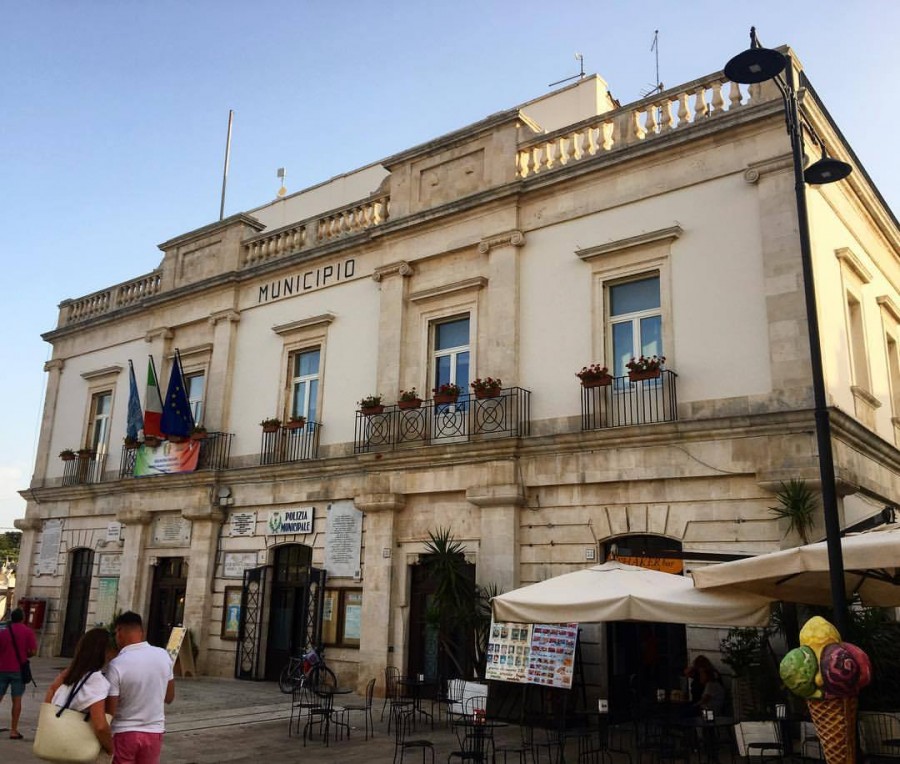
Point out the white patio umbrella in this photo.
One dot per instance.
(801, 574)
(617, 592)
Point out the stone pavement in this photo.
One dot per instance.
(226, 720)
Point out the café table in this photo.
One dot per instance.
(706, 731)
(477, 735)
(414, 688)
(325, 712)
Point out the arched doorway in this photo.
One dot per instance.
(167, 599)
(81, 567)
(647, 656)
(295, 622)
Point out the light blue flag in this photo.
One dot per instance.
(135, 421)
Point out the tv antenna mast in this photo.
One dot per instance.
(580, 76)
(658, 87)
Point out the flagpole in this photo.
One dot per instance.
(227, 161)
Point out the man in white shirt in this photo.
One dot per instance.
(140, 684)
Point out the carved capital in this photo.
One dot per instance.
(209, 512)
(380, 502)
(401, 268)
(130, 516)
(55, 364)
(230, 315)
(496, 496)
(28, 523)
(514, 238)
(162, 332)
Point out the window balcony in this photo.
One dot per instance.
(623, 402)
(469, 418)
(290, 444)
(215, 450)
(87, 467)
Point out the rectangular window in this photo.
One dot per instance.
(304, 384)
(857, 343)
(634, 321)
(196, 385)
(452, 352)
(101, 408)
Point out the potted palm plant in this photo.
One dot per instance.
(594, 375)
(446, 393)
(371, 405)
(487, 387)
(409, 399)
(645, 367)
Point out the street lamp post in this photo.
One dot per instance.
(755, 65)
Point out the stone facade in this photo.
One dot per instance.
(522, 224)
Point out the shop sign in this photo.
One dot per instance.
(284, 521)
(662, 564)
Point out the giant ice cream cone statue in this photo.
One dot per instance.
(829, 674)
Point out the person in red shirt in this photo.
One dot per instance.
(12, 654)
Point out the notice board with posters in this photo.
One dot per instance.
(532, 653)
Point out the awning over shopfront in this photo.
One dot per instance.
(871, 562)
(617, 592)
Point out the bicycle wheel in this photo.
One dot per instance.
(321, 676)
(287, 678)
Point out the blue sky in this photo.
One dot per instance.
(114, 112)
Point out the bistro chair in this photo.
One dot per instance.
(365, 708)
(880, 737)
(449, 698)
(512, 750)
(321, 714)
(301, 702)
(404, 718)
(760, 741)
(393, 695)
(810, 747)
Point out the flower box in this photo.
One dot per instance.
(271, 425)
(296, 424)
(371, 410)
(596, 380)
(488, 392)
(177, 438)
(67, 455)
(413, 403)
(487, 387)
(645, 367)
(445, 397)
(637, 375)
(199, 435)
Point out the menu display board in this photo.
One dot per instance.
(538, 653)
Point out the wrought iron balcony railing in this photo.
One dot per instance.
(290, 444)
(623, 402)
(215, 450)
(507, 415)
(85, 468)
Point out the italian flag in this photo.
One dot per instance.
(152, 403)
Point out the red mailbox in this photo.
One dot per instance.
(35, 611)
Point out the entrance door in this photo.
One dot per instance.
(295, 622)
(82, 562)
(167, 599)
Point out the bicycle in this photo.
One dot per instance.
(306, 670)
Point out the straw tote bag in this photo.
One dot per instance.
(65, 735)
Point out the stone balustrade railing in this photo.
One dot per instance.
(106, 300)
(351, 219)
(657, 115)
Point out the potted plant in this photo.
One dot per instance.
(296, 423)
(594, 375)
(151, 440)
(272, 424)
(176, 438)
(644, 367)
(130, 443)
(487, 387)
(446, 393)
(371, 405)
(409, 399)
(67, 455)
(85, 453)
(198, 432)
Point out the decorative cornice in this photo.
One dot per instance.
(55, 364)
(651, 237)
(162, 332)
(106, 371)
(851, 261)
(229, 314)
(514, 238)
(889, 306)
(211, 513)
(304, 323)
(496, 496)
(401, 268)
(380, 502)
(205, 348)
(861, 394)
(755, 170)
(479, 282)
(28, 523)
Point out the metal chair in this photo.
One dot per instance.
(810, 747)
(403, 725)
(760, 740)
(365, 708)
(875, 729)
(301, 702)
(393, 695)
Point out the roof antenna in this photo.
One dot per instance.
(280, 173)
(580, 76)
(658, 87)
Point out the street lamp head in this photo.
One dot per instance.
(826, 170)
(755, 65)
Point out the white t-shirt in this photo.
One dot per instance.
(95, 688)
(139, 676)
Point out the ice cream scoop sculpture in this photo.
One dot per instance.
(829, 674)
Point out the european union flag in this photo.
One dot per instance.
(177, 418)
(135, 422)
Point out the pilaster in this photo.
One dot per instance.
(498, 345)
(132, 593)
(30, 525)
(218, 392)
(54, 369)
(392, 280)
(376, 650)
(498, 557)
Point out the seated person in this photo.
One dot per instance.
(713, 697)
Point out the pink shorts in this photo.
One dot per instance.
(137, 747)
